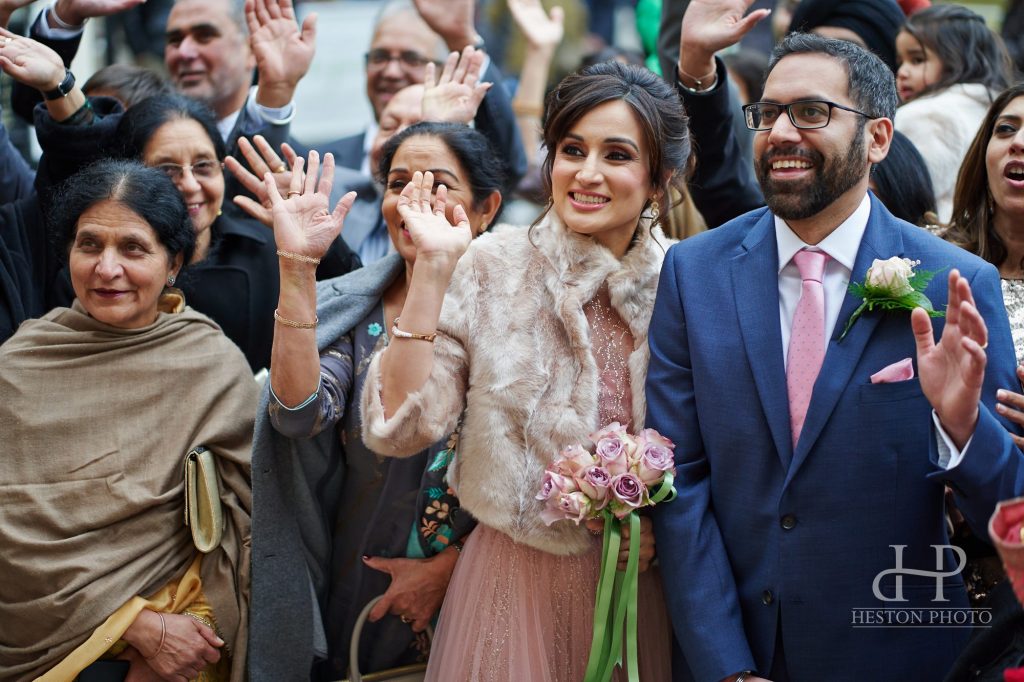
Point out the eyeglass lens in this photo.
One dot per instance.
(200, 169)
(809, 114)
(409, 59)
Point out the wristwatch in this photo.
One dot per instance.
(63, 88)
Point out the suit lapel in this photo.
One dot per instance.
(755, 276)
(881, 239)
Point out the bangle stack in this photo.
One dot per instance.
(399, 334)
(163, 638)
(298, 256)
(711, 79)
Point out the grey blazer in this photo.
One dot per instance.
(295, 484)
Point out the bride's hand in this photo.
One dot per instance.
(437, 241)
(303, 223)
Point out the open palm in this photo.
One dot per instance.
(539, 29)
(953, 370)
(423, 212)
(303, 223)
(283, 52)
(714, 25)
(457, 93)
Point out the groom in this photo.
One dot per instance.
(811, 494)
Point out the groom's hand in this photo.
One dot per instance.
(952, 371)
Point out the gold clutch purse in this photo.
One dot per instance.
(203, 513)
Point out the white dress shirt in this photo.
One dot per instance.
(842, 246)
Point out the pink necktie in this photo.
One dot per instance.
(807, 338)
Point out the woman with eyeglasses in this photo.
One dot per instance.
(235, 277)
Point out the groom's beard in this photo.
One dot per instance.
(829, 179)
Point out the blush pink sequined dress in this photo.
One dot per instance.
(514, 613)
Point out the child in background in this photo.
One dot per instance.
(951, 65)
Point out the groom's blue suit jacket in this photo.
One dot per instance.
(762, 536)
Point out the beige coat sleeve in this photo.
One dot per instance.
(433, 412)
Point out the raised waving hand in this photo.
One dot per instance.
(304, 225)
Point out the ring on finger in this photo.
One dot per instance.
(984, 345)
(294, 193)
(405, 619)
(281, 169)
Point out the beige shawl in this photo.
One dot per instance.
(94, 425)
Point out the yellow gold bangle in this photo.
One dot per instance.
(298, 256)
(296, 325)
(399, 334)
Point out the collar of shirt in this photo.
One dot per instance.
(842, 244)
(227, 124)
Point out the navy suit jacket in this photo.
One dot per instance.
(762, 535)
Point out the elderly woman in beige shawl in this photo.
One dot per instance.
(99, 404)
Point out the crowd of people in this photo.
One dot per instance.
(349, 375)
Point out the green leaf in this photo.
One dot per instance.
(441, 460)
(434, 493)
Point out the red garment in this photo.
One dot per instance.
(911, 6)
(1013, 675)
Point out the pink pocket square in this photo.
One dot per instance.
(897, 371)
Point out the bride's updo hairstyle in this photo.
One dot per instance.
(658, 109)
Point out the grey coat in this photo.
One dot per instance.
(296, 484)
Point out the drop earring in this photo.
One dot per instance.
(655, 211)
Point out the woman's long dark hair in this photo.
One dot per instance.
(903, 184)
(973, 210)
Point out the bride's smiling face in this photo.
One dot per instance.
(600, 177)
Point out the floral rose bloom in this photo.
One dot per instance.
(575, 506)
(891, 275)
(612, 452)
(629, 492)
(595, 481)
(655, 460)
(574, 459)
(554, 483)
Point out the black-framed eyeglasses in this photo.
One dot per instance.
(806, 114)
(409, 60)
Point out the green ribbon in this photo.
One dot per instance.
(615, 608)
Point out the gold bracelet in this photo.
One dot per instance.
(298, 256)
(399, 334)
(296, 325)
(526, 109)
(163, 638)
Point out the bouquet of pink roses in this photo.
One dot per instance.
(623, 474)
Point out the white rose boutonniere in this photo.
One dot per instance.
(892, 284)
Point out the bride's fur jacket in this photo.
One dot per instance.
(514, 351)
